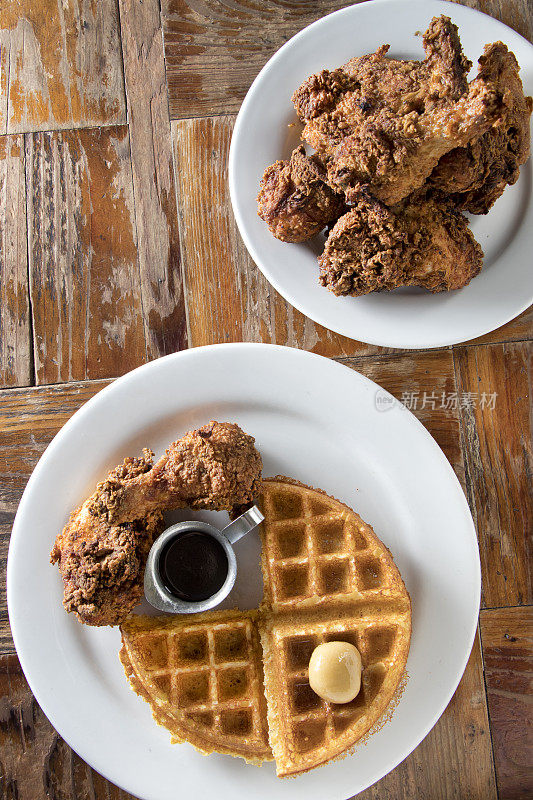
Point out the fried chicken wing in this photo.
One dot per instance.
(294, 199)
(422, 241)
(383, 124)
(102, 551)
(476, 175)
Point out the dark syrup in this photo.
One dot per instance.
(193, 566)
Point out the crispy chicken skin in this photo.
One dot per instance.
(294, 200)
(476, 175)
(383, 124)
(102, 551)
(423, 242)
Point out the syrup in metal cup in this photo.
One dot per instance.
(192, 566)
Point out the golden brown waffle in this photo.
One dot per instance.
(327, 577)
(203, 678)
(305, 731)
(317, 550)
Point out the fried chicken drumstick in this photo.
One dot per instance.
(102, 551)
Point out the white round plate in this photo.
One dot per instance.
(313, 419)
(408, 318)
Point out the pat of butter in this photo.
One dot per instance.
(335, 671)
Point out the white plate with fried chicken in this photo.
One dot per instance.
(316, 421)
(390, 199)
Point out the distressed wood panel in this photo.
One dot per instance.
(29, 420)
(62, 65)
(517, 14)
(228, 298)
(15, 364)
(36, 764)
(497, 445)
(507, 639)
(214, 50)
(84, 274)
(425, 384)
(153, 178)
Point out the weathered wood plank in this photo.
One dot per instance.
(228, 298)
(497, 443)
(62, 66)
(15, 347)
(507, 640)
(84, 274)
(29, 420)
(36, 763)
(153, 178)
(425, 384)
(454, 762)
(517, 15)
(214, 50)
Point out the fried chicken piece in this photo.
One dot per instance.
(476, 175)
(215, 467)
(383, 124)
(294, 199)
(102, 565)
(422, 241)
(102, 551)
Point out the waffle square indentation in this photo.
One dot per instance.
(192, 689)
(344, 636)
(290, 541)
(359, 541)
(380, 640)
(293, 581)
(236, 722)
(334, 577)
(303, 698)
(373, 678)
(308, 735)
(232, 683)
(286, 505)
(191, 648)
(298, 652)
(369, 573)
(330, 536)
(231, 645)
(153, 651)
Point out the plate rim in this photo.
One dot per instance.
(16, 534)
(238, 132)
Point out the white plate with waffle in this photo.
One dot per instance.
(314, 420)
(267, 129)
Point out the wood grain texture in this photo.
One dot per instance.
(35, 763)
(424, 383)
(507, 638)
(84, 274)
(497, 445)
(228, 298)
(29, 420)
(517, 14)
(215, 49)
(15, 363)
(62, 66)
(154, 188)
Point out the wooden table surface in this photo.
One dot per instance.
(118, 245)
